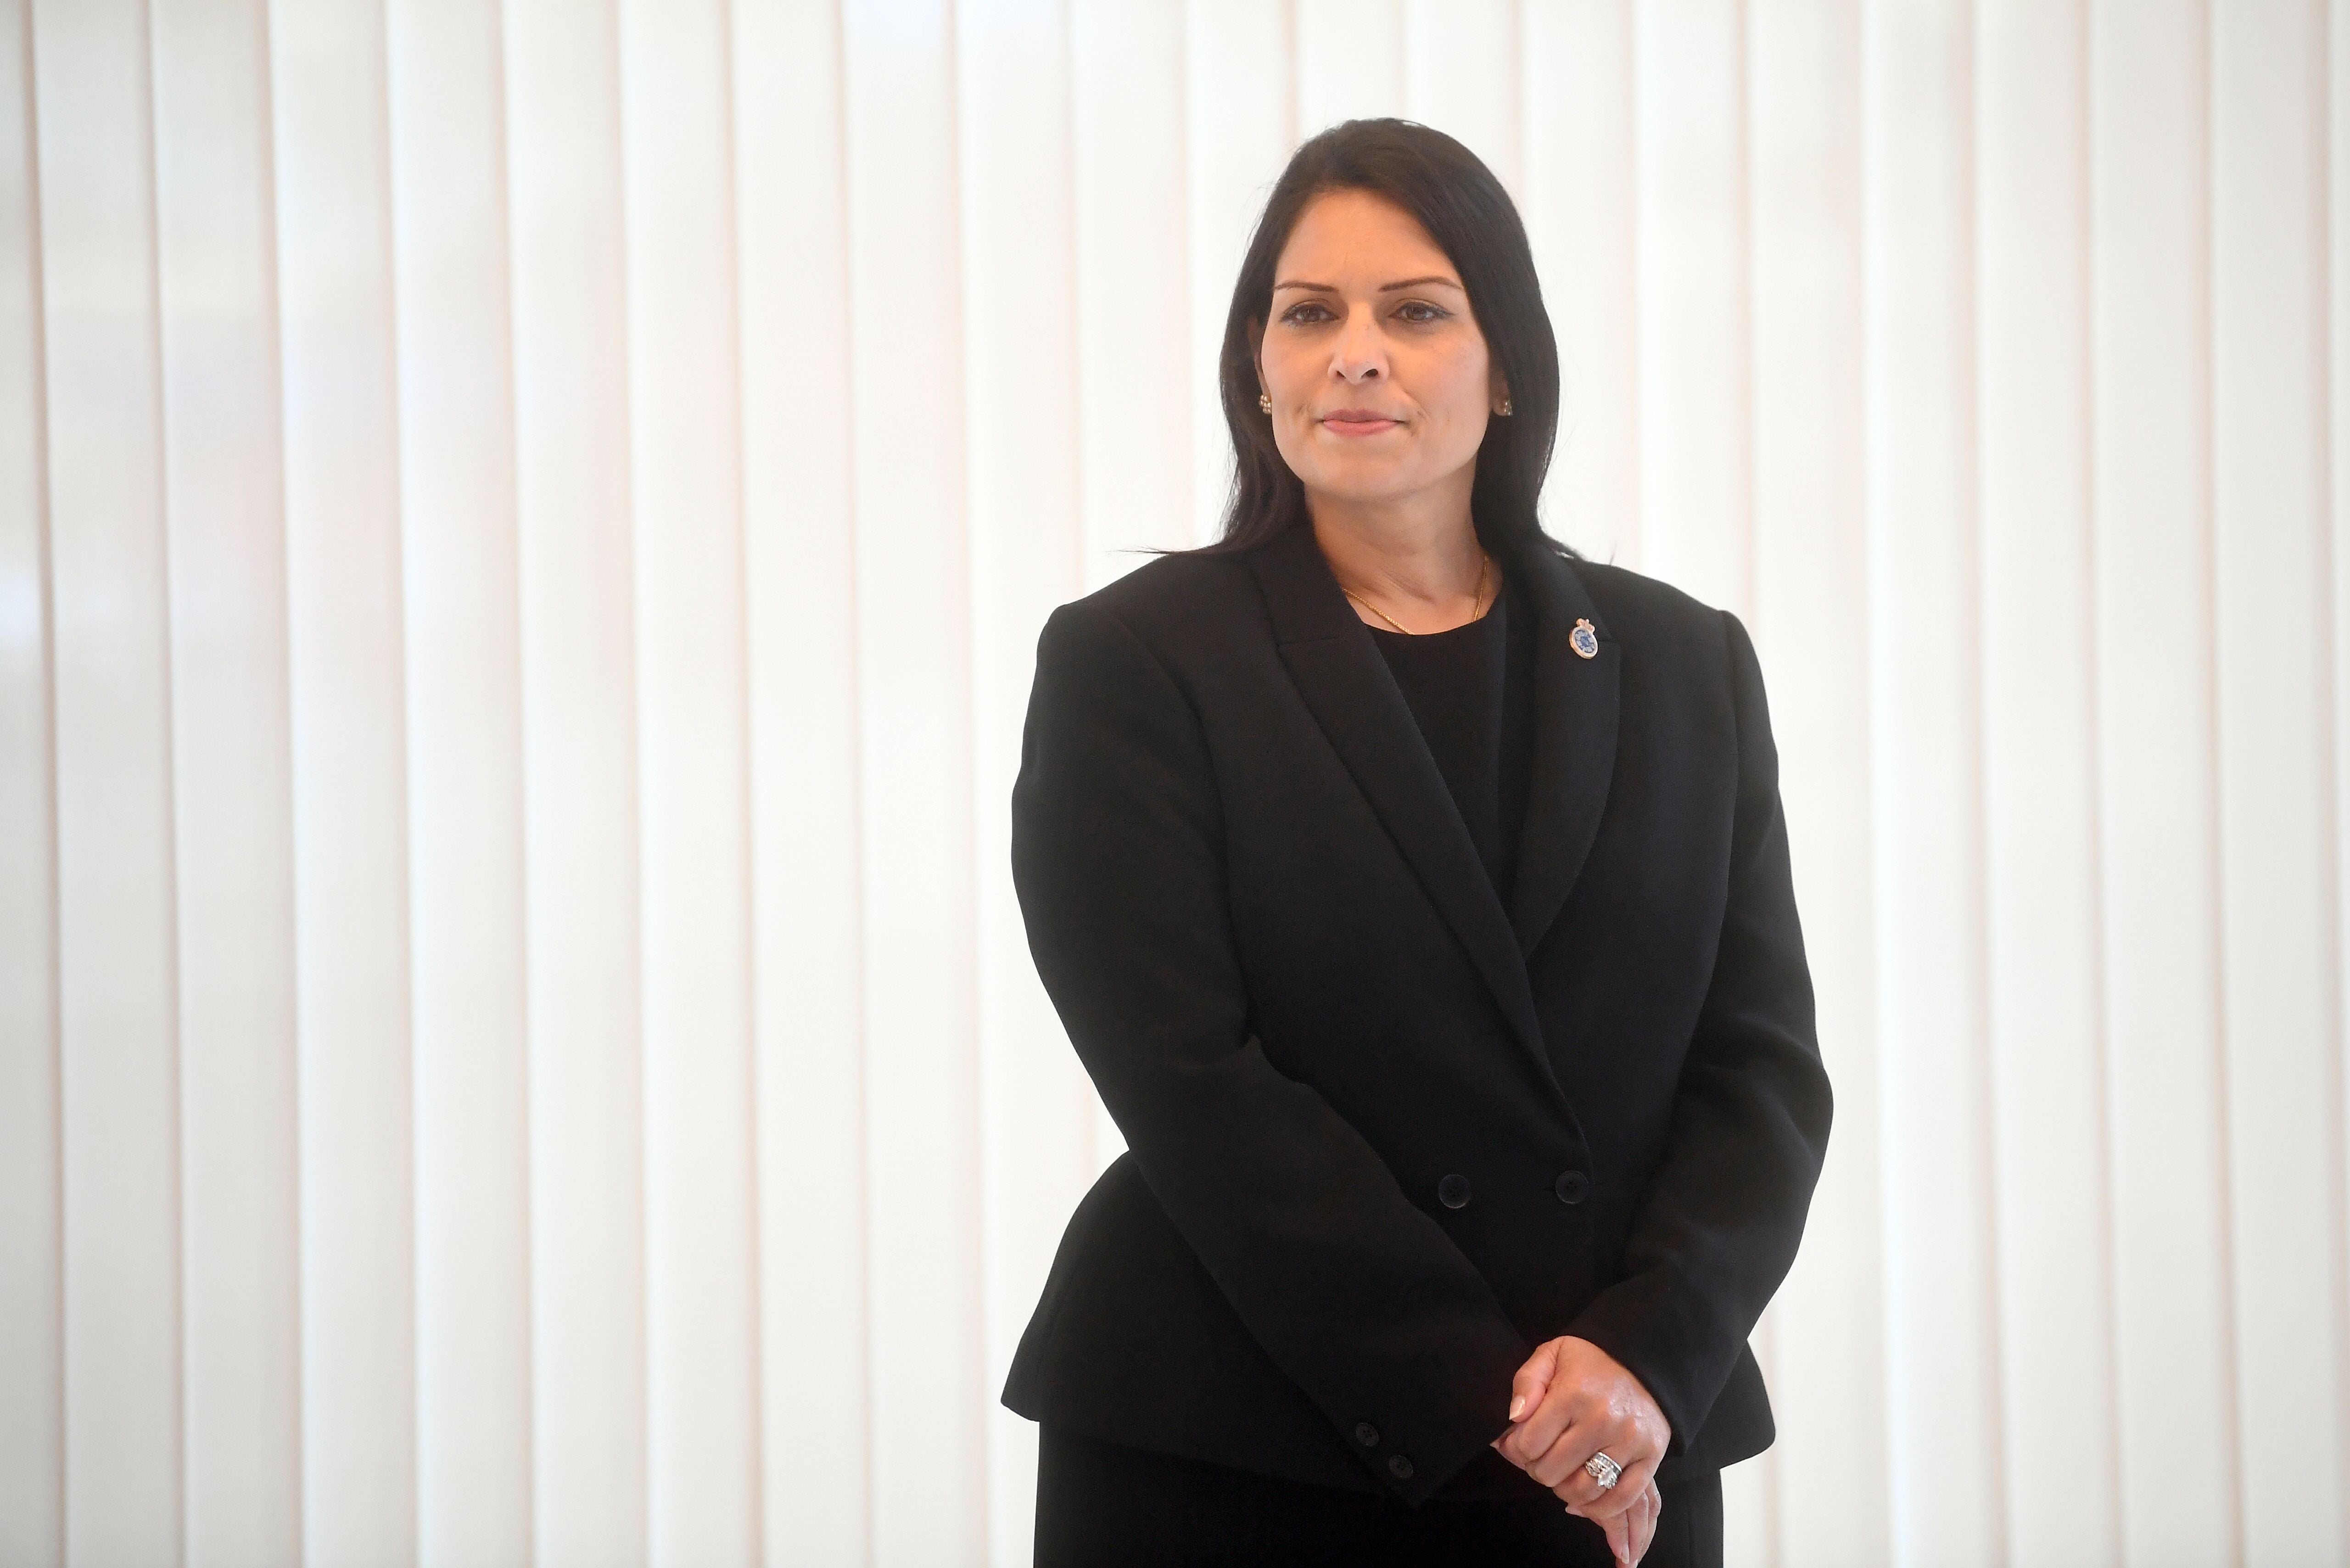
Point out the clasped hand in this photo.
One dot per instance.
(1572, 1400)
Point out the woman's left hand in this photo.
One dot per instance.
(1572, 1400)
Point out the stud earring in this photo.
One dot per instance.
(1264, 401)
(1505, 407)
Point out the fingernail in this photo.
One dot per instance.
(1517, 1405)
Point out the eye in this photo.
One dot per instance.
(1420, 312)
(1306, 312)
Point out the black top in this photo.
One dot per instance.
(1471, 690)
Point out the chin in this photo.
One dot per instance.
(1360, 481)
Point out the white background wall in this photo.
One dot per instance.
(522, 532)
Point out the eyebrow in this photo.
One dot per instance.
(1384, 288)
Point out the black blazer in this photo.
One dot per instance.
(1385, 1136)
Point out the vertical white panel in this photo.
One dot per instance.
(1134, 346)
(1131, 222)
(2174, 1337)
(1239, 125)
(1578, 204)
(1811, 626)
(2276, 811)
(1019, 244)
(1689, 89)
(914, 621)
(460, 593)
(1350, 62)
(686, 492)
(1943, 1353)
(225, 502)
(586, 1378)
(1459, 59)
(800, 574)
(2337, 407)
(350, 841)
(1695, 373)
(116, 927)
(32, 1430)
(2041, 786)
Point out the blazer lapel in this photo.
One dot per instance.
(1576, 706)
(1346, 686)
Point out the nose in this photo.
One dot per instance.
(1360, 354)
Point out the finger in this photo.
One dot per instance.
(1612, 1503)
(1532, 1380)
(1656, 1517)
(1636, 1531)
(1575, 1448)
(1619, 1539)
(1527, 1388)
(1639, 1477)
(1636, 1463)
(1541, 1422)
(1596, 1431)
(1644, 1530)
(1560, 1467)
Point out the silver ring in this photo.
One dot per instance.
(1604, 1471)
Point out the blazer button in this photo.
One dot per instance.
(1366, 1434)
(1398, 1467)
(1453, 1192)
(1572, 1187)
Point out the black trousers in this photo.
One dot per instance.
(1104, 1505)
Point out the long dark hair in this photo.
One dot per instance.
(1471, 217)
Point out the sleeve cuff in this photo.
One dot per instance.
(1412, 1455)
(1676, 1351)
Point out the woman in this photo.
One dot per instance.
(1417, 896)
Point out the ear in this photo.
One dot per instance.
(1256, 351)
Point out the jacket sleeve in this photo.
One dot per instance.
(1718, 1229)
(1355, 1294)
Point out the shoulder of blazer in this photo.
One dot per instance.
(1650, 617)
(1626, 595)
(1174, 602)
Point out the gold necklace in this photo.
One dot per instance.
(1477, 602)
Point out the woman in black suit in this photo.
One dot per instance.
(1417, 896)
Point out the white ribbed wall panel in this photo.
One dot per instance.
(582, 1077)
(225, 501)
(523, 531)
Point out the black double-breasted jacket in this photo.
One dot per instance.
(1386, 1135)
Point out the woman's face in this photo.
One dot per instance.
(1380, 381)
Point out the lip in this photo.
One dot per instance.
(1357, 423)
